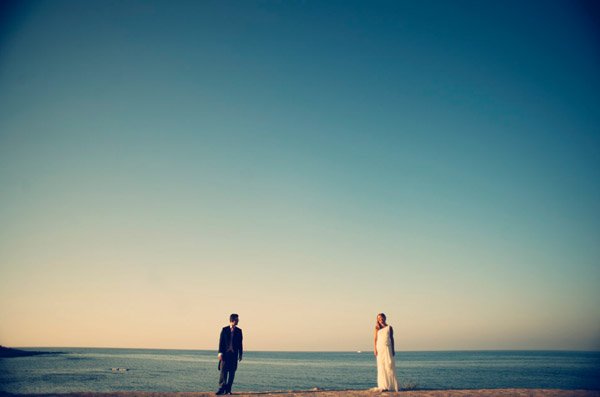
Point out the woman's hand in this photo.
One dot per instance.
(375, 352)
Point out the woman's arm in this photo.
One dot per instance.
(375, 342)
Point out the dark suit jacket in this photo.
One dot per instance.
(236, 343)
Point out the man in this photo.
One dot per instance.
(230, 351)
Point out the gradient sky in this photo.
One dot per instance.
(306, 164)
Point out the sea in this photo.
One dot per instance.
(107, 370)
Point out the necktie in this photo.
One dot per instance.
(230, 348)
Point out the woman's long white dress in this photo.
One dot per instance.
(386, 364)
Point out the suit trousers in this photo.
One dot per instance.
(228, 368)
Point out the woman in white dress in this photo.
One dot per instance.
(384, 351)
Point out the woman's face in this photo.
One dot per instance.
(380, 320)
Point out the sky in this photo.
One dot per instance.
(306, 164)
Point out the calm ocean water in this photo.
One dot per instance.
(190, 370)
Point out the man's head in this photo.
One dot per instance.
(234, 319)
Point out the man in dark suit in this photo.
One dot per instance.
(230, 351)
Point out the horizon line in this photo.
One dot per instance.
(357, 351)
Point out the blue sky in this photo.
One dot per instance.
(433, 160)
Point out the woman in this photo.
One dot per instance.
(384, 351)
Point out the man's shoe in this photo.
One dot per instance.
(220, 392)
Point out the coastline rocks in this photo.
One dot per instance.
(7, 352)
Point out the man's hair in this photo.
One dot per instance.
(233, 317)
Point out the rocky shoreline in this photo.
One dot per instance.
(7, 352)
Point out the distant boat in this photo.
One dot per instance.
(120, 369)
(359, 351)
